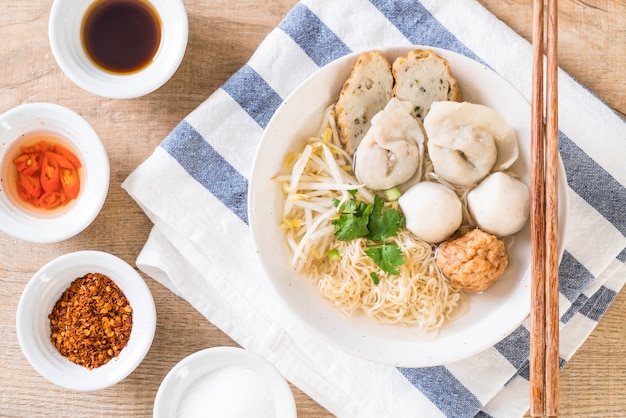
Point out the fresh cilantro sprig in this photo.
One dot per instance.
(358, 219)
(383, 224)
(353, 220)
(387, 256)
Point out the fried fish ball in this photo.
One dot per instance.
(474, 261)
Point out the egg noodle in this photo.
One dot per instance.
(419, 296)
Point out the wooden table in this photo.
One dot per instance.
(223, 35)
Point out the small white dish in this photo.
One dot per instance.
(492, 315)
(46, 226)
(44, 290)
(64, 31)
(230, 373)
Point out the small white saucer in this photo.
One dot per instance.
(190, 374)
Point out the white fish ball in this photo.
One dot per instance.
(433, 212)
(500, 204)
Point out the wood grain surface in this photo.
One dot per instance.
(223, 36)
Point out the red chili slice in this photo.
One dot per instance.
(52, 199)
(29, 164)
(61, 161)
(70, 182)
(72, 158)
(41, 146)
(30, 185)
(50, 175)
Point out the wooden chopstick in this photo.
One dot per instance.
(537, 220)
(544, 319)
(552, 231)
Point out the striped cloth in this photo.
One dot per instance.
(201, 247)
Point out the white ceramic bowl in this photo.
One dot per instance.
(237, 374)
(59, 224)
(41, 294)
(492, 315)
(64, 33)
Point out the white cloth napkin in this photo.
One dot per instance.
(201, 247)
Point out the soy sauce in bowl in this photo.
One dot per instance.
(121, 36)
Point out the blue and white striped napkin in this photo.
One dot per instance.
(201, 247)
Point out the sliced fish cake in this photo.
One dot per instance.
(423, 77)
(365, 93)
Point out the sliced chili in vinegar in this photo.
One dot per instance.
(47, 175)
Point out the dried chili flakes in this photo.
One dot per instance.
(91, 323)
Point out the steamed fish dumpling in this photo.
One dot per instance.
(432, 211)
(464, 156)
(500, 204)
(392, 151)
(467, 141)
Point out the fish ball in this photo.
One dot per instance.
(474, 261)
(500, 204)
(433, 212)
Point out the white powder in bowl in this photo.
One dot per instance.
(227, 392)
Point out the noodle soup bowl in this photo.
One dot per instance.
(489, 316)
(41, 294)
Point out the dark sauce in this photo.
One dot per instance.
(121, 36)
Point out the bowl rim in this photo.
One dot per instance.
(64, 37)
(53, 227)
(44, 289)
(388, 347)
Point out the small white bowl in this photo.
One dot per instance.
(64, 31)
(41, 294)
(36, 225)
(235, 374)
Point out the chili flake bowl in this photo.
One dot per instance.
(35, 120)
(39, 298)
